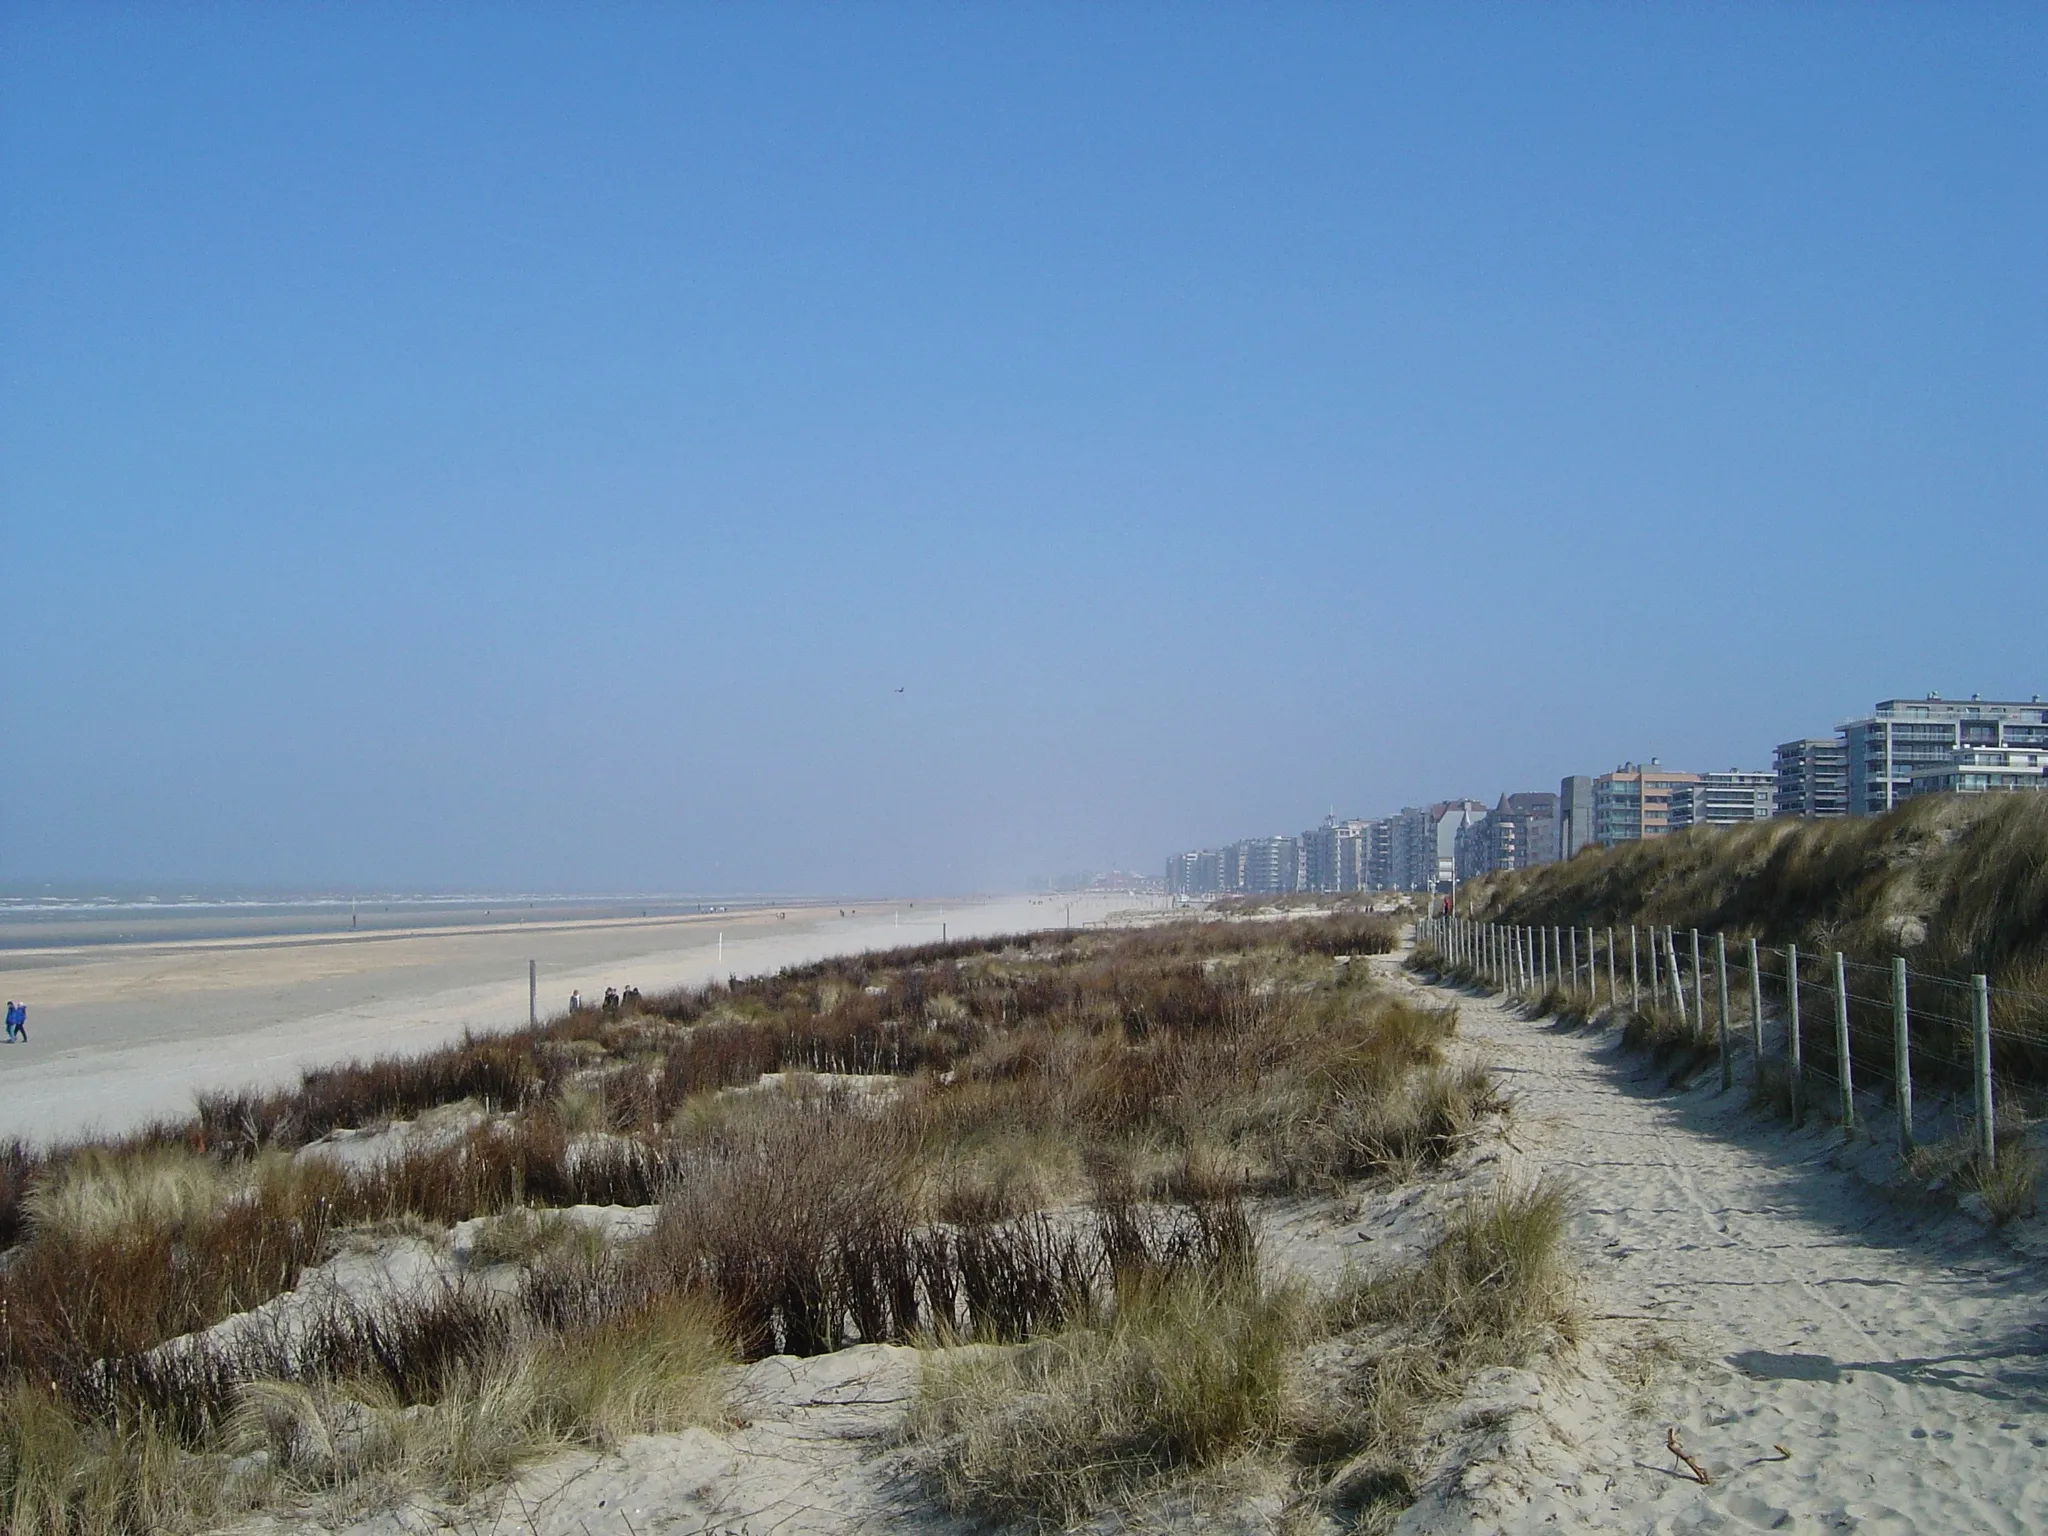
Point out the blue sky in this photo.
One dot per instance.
(528, 446)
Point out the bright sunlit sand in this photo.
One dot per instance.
(121, 1034)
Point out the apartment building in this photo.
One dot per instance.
(1337, 856)
(1634, 802)
(1574, 814)
(1379, 855)
(1722, 799)
(1981, 770)
(1258, 866)
(1268, 866)
(1518, 833)
(1449, 820)
(1812, 778)
(1887, 747)
(1410, 855)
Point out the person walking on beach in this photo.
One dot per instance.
(17, 1022)
(10, 1021)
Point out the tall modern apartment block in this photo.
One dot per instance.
(1520, 832)
(1813, 778)
(1982, 771)
(1268, 866)
(1574, 814)
(1258, 866)
(1337, 856)
(1634, 802)
(1902, 737)
(1722, 799)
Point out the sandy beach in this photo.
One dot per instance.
(123, 1033)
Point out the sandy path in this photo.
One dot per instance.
(1898, 1353)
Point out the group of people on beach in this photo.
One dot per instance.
(17, 1022)
(614, 1001)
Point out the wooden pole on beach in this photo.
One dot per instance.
(1842, 1060)
(1635, 976)
(532, 993)
(1987, 1119)
(1756, 1008)
(1699, 982)
(1721, 970)
(1902, 1056)
(1792, 1041)
(1677, 981)
(1613, 992)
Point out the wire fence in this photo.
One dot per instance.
(1813, 1029)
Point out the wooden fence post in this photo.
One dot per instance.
(1792, 1042)
(1987, 1117)
(1635, 975)
(1843, 1062)
(1677, 981)
(1656, 988)
(1613, 994)
(1756, 1008)
(1902, 1057)
(1699, 982)
(1721, 971)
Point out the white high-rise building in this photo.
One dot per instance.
(1721, 799)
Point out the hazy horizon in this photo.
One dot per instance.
(900, 449)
